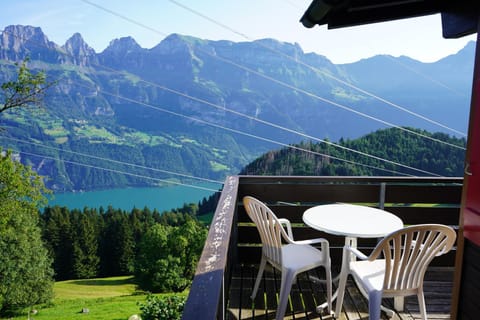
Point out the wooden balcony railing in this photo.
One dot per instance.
(233, 239)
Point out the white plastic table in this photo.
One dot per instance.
(352, 222)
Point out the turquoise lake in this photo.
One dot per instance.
(161, 198)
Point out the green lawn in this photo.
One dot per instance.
(113, 298)
(94, 288)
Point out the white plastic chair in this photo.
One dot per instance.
(291, 258)
(397, 265)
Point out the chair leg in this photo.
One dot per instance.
(287, 279)
(374, 304)
(341, 292)
(328, 273)
(263, 262)
(421, 304)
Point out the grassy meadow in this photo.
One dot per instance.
(113, 298)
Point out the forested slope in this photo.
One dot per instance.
(418, 154)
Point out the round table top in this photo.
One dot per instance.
(352, 220)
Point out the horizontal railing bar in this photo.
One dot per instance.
(244, 180)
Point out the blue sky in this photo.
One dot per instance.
(149, 21)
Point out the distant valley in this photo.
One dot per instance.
(190, 108)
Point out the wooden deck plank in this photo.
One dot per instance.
(234, 302)
(313, 294)
(306, 295)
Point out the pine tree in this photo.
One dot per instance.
(86, 261)
(117, 244)
(57, 233)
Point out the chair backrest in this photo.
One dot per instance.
(409, 251)
(270, 229)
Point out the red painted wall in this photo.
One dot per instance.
(471, 214)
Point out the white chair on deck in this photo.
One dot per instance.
(397, 265)
(291, 258)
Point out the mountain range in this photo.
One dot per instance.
(191, 107)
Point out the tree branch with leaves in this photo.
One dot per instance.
(28, 89)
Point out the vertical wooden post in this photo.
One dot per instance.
(381, 202)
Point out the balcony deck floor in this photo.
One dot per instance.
(306, 295)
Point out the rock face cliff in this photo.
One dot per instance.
(207, 108)
(18, 41)
(80, 53)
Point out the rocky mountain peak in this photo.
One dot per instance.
(24, 34)
(18, 42)
(123, 53)
(172, 44)
(79, 52)
(284, 47)
(124, 44)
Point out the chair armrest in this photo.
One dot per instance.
(360, 255)
(312, 241)
(324, 243)
(287, 223)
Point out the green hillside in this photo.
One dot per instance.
(422, 151)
